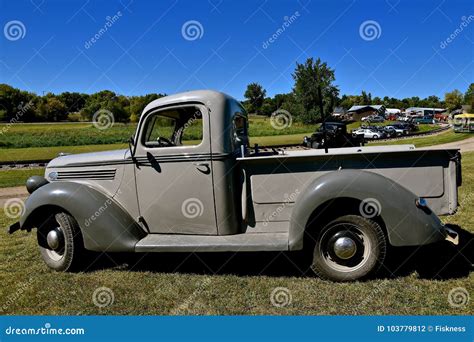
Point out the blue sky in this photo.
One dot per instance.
(144, 49)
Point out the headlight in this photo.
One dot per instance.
(35, 182)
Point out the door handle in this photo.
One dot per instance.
(203, 167)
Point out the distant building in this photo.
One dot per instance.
(358, 112)
(422, 111)
(392, 111)
(339, 112)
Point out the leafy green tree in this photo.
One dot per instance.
(268, 107)
(107, 100)
(255, 95)
(453, 100)
(50, 108)
(313, 84)
(366, 98)
(469, 97)
(74, 102)
(138, 103)
(17, 105)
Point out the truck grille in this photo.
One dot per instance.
(106, 174)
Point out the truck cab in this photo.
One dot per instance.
(189, 182)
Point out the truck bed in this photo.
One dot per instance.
(277, 177)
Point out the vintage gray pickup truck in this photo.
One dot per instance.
(189, 182)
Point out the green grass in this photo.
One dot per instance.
(169, 284)
(50, 135)
(48, 140)
(17, 177)
(442, 138)
(45, 153)
(79, 134)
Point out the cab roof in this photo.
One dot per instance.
(209, 98)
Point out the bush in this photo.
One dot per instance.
(75, 117)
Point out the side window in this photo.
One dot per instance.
(240, 134)
(174, 127)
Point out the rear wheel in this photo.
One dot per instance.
(349, 248)
(60, 243)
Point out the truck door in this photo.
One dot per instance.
(174, 171)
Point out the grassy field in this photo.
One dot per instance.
(235, 283)
(45, 153)
(441, 138)
(68, 134)
(16, 177)
(78, 134)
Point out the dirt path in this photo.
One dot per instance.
(13, 192)
(465, 145)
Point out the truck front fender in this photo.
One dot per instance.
(405, 223)
(104, 224)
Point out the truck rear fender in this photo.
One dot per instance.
(378, 198)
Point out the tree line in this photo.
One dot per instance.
(314, 92)
(19, 105)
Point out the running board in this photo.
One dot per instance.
(214, 243)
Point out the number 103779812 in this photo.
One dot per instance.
(402, 328)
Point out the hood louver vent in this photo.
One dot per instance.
(89, 174)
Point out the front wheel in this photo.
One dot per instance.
(349, 248)
(60, 243)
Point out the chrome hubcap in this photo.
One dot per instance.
(345, 247)
(54, 239)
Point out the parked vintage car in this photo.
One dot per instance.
(189, 182)
(425, 120)
(336, 136)
(373, 118)
(368, 133)
(397, 129)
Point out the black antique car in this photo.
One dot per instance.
(333, 135)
